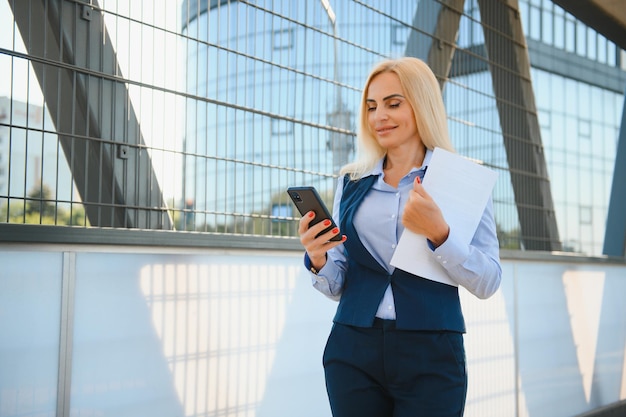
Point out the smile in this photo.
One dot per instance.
(385, 130)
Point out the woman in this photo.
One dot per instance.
(396, 346)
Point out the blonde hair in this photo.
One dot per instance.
(423, 93)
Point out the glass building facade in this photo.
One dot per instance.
(200, 113)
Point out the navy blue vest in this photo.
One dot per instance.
(421, 304)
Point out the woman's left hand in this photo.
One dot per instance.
(423, 216)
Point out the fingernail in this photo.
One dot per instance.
(335, 230)
(419, 181)
(311, 214)
(326, 222)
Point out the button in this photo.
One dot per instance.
(389, 307)
(444, 262)
(393, 246)
(438, 256)
(321, 280)
(393, 216)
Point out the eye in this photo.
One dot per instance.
(370, 109)
(394, 105)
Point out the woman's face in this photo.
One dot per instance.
(389, 114)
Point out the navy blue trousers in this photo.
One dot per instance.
(385, 372)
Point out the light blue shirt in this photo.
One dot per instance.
(378, 220)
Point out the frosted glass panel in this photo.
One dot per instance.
(30, 308)
(118, 364)
(169, 335)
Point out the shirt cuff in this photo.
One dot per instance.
(314, 272)
(451, 252)
(321, 281)
(308, 265)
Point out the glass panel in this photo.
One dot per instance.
(165, 335)
(30, 317)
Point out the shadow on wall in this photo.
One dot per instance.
(572, 338)
(219, 332)
(242, 333)
(164, 335)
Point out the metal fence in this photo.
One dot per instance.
(197, 115)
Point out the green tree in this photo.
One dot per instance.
(509, 239)
(40, 207)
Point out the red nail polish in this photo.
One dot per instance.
(335, 230)
(311, 214)
(326, 222)
(418, 180)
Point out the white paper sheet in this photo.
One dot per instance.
(461, 188)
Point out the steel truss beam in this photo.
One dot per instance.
(434, 41)
(512, 85)
(76, 66)
(615, 234)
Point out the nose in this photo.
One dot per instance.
(380, 113)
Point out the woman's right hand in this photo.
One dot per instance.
(316, 247)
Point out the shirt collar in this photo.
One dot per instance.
(378, 168)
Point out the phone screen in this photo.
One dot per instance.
(307, 199)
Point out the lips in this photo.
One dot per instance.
(385, 129)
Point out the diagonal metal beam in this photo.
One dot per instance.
(615, 234)
(434, 40)
(76, 66)
(510, 72)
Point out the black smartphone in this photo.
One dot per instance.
(307, 199)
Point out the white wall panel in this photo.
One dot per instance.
(30, 321)
(169, 332)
